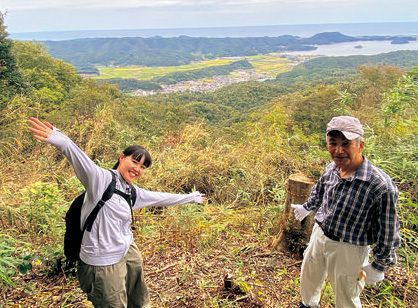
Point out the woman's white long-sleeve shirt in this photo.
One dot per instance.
(111, 235)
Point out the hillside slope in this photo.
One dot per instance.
(238, 145)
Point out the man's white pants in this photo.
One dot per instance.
(340, 262)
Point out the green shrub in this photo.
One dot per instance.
(44, 208)
(11, 260)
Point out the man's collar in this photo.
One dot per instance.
(362, 173)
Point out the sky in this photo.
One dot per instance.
(66, 15)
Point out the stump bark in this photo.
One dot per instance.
(294, 235)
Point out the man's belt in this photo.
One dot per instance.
(328, 234)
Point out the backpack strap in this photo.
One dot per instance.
(106, 196)
(133, 195)
(130, 199)
(133, 199)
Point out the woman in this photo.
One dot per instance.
(110, 271)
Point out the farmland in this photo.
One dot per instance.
(269, 64)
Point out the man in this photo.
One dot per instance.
(356, 205)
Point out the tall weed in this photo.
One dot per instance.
(44, 208)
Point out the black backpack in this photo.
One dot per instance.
(73, 231)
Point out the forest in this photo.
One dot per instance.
(238, 145)
(333, 68)
(159, 51)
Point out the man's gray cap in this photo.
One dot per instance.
(349, 126)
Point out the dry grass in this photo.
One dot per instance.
(188, 250)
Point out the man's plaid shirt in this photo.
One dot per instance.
(360, 210)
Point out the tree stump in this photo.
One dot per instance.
(294, 235)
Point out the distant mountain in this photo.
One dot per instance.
(328, 38)
(159, 51)
(400, 40)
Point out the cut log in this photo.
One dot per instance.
(294, 235)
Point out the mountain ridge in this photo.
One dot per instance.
(160, 51)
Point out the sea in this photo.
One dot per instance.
(356, 48)
(307, 30)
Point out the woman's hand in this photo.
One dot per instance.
(200, 198)
(40, 130)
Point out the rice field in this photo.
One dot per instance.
(148, 72)
(268, 64)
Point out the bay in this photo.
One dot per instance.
(356, 48)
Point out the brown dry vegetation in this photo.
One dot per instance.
(188, 252)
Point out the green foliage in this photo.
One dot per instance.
(84, 100)
(13, 259)
(44, 208)
(49, 80)
(87, 70)
(159, 51)
(13, 122)
(382, 76)
(7, 261)
(130, 84)
(328, 295)
(408, 212)
(414, 73)
(211, 112)
(239, 97)
(333, 69)
(387, 296)
(10, 79)
(345, 102)
(393, 142)
(314, 111)
(402, 99)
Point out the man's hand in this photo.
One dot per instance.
(300, 211)
(373, 275)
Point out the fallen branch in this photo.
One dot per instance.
(263, 254)
(241, 298)
(293, 264)
(162, 269)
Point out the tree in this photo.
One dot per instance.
(10, 80)
(316, 108)
(48, 80)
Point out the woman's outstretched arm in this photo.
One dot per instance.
(93, 178)
(147, 198)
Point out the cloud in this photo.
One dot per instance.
(123, 4)
(44, 15)
(55, 4)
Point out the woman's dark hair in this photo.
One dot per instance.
(137, 152)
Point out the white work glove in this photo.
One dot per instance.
(300, 211)
(373, 275)
(198, 197)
